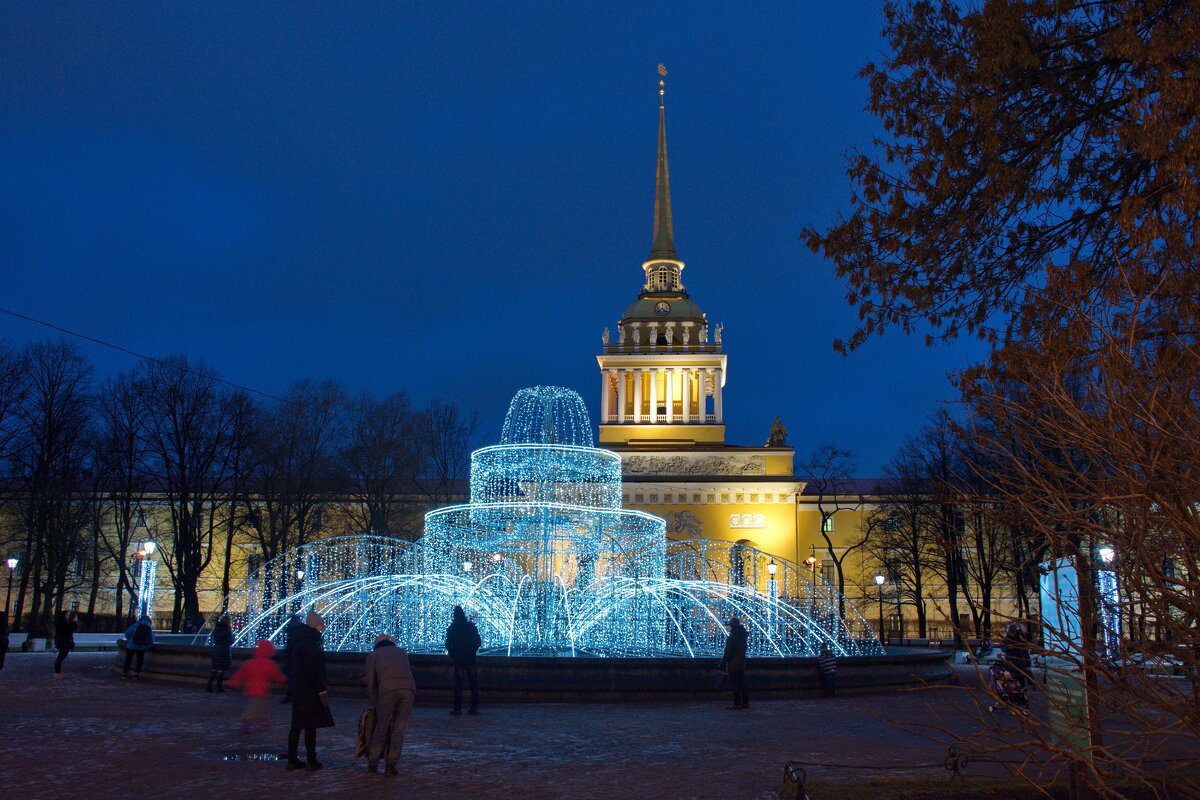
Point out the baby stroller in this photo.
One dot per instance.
(1009, 690)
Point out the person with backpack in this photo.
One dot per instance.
(222, 654)
(64, 638)
(256, 677)
(391, 690)
(462, 643)
(139, 637)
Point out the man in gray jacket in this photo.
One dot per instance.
(391, 690)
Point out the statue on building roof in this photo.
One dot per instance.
(778, 435)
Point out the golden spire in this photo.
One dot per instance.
(664, 235)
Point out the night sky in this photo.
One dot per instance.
(449, 199)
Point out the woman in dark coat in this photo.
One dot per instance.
(1016, 651)
(310, 702)
(64, 639)
(222, 654)
(734, 660)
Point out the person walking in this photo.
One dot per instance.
(64, 638)
(462, 643)
(310, 700)
(222, 654)
(827, 666)
(256, 677)
(1016, 651)
(391, 690)
(734, 660)
(139, 637)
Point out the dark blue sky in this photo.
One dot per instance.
(450, 199)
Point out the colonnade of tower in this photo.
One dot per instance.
(661, 395)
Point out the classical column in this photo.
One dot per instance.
(717, 396)
(654, 396)
(670, 394)
(620, 395)
(605, 395)
(637, 395)
(687, 395)
(705, 380)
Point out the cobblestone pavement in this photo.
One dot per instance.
(93, 735)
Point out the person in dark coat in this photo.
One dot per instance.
(734, 661)
(462, 643)
(1016, 650)
(827, 666)
(391, 690)
(3, 638)
(222, 654)
(291, 632)
(139, 637)
(64, 638)
(310, 701)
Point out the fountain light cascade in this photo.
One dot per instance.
(546, 562)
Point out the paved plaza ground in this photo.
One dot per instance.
(93, 735)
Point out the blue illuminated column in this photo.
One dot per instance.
(772, 593)
(146, 578)
(1110, 601)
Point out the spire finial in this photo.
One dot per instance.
(664, 236)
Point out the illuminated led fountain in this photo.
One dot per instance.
(546, 562)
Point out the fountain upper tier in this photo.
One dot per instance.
(546, 473)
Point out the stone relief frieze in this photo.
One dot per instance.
(693, 465)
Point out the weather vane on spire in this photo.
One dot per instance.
(662, 73)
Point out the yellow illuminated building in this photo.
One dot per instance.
(661, 410)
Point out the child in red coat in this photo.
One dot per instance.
(256, 676)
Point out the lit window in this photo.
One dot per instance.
(712, 498)
(827, 524)
(754, 498)
(741, 498)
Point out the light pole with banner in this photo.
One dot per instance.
(12, 567)
(879, 579)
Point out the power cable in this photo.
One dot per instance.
(135, 354)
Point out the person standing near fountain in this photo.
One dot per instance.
(391, 690)
(222, 654)
(735, 662)
(139, 637)
(64, 638)
(462, 643)
(310, 701)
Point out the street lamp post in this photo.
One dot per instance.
(12, 567)
(772, 588)
(879, 583)
(812, 584)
